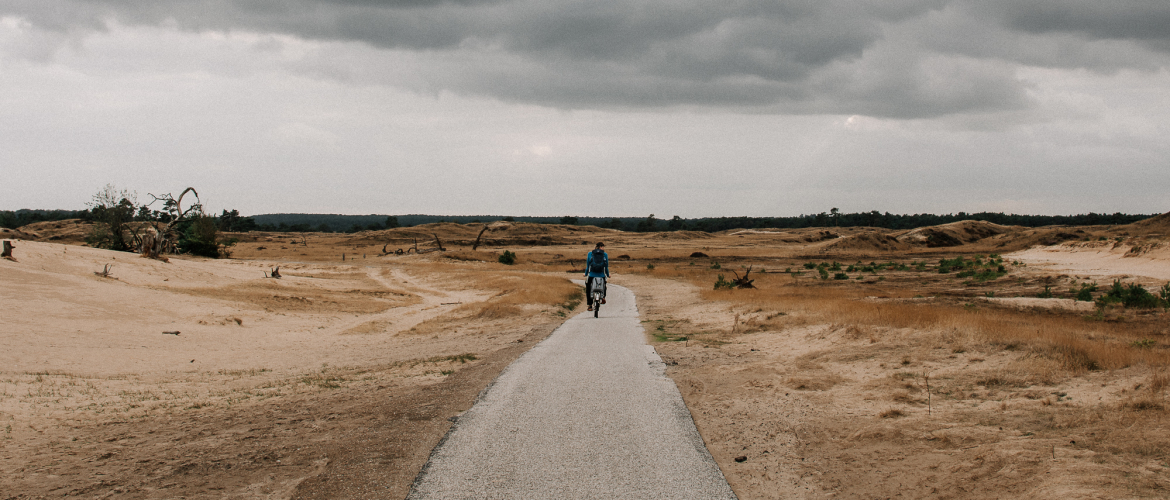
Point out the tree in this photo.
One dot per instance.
(200, 237)
(647, 225)
(614, 223)
(676, 223)
(836, 214)
(111, 209)
(166, 238)
(391, 222)
(569, 220)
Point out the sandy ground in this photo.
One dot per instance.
(267, 383)
(337, 380)
(1103, 260)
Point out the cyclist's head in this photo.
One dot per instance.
(600, 245)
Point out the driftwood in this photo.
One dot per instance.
(743, 282)
(171, 333)
(105, 272)
(7, 254)
(476, 244)
(274, 274)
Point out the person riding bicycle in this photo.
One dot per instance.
(596, 266)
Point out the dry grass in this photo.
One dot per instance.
(1077, 343)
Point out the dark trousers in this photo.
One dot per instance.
(589, 290)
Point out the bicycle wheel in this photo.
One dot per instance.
(596, 304)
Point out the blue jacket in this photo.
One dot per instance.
(589, 265)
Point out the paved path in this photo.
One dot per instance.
(587, 413)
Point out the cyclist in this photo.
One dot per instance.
(596, 267)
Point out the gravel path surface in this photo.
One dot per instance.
(587, 413)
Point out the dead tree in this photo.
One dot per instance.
(165, 238)
(7, 254)
(438, 243)
(105, 272)
(274, 274)
(743, 282)
(476, 244)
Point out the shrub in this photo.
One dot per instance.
(1133, 295)
(720, 282)
(1085, 294)
(507, 258)
(810, 265)
(1143, 343)
(715, 265)
(840, 276)
(649, 267)
(824, 273)
(199, 238)
(1046, 294)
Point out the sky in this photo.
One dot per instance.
(696, 108)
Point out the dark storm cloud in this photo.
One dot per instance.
(1114, 19)
(901, 58)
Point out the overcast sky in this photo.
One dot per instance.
(590, 107)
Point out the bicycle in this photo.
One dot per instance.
(598, 292)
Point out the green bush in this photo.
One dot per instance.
(1085, 294)
(1133, 295)
(720, 282)
(507, 258)
(840, 276)
(649, 267)
(824, 273)
(810, 265)
(199, 237)
(1046, 294)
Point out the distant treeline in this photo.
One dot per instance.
(233, 221)
(13, 219)
(351, 223)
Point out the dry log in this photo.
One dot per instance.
(274, 274)
(438, 243)
(7, 254)
(743, 282)
(476, 244)
(105, 272)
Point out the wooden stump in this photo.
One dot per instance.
(7, 254)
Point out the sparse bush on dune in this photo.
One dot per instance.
(1135, 296)
(507, 258)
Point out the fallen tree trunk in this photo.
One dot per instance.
(743, 282)
(476, 244)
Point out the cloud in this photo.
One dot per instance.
(901, 59)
